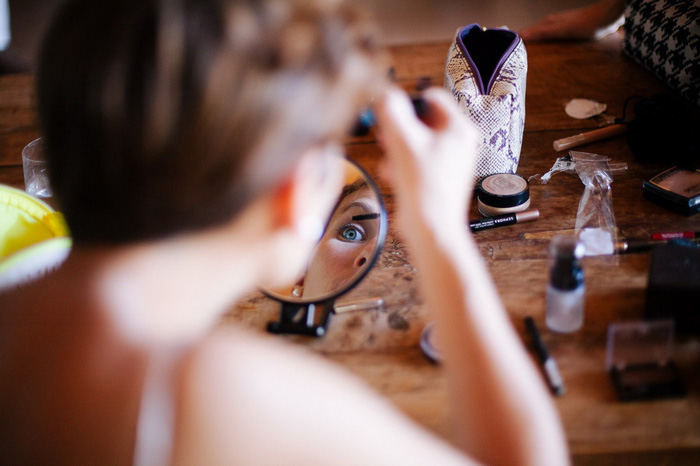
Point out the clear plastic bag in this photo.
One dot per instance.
(567, 164)
(562, 164)
(595, 220)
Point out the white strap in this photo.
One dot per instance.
(156, 422)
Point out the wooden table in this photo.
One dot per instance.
(381, 346)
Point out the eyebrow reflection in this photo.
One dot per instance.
(365, 217)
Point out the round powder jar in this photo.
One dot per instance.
(502, 193)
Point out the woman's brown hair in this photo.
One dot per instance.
(168, 116)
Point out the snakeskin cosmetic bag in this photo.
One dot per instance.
(486, 71)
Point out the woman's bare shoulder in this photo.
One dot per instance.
(255, 399)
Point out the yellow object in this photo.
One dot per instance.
(25, 220)
(33, 237)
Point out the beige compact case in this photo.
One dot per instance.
(502, 193)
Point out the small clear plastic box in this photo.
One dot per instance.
(640, 360)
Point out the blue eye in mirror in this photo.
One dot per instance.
(351, 233)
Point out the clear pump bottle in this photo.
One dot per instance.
(566, 288)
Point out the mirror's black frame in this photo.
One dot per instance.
(312, 317)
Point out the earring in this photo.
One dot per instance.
(310, 227)
(298, 291)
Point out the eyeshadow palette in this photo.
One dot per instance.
(677, 189)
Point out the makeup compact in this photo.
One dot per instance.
(502, 193)
(677, 189)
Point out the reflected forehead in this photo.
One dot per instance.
(363, 199)
(360, 204)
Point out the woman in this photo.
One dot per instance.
(591, 22)
(191, 145)
(662, 36)
(347, 244)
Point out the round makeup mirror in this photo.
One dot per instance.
(352, 240)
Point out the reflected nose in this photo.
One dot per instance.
(363, 257)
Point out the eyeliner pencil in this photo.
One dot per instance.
(504, 220)
(556, 383)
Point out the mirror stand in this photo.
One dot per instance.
(309, 319)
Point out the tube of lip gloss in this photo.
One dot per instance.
(591, 136)
(362, 305)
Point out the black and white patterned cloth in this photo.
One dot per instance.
(664, 37)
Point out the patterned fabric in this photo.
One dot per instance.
(498, 115)
(664, 37)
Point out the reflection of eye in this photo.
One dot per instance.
(351, 233)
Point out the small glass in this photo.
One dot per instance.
(36, 177)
